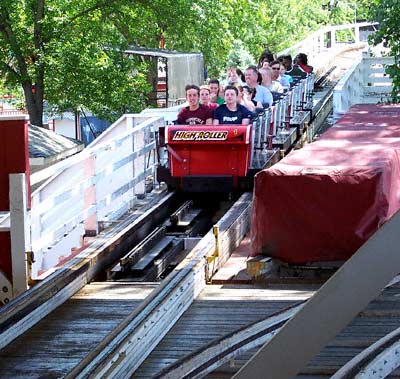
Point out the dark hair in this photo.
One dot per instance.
(253, 68)
(302, 58)
(192, 86)
(249, 90)
(232, 87)
(275, 62)
(266, 55)
(287, 57)
(213, 81)
(240, 74)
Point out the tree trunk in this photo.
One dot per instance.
(34, 102)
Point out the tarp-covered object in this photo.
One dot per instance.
(321, 203)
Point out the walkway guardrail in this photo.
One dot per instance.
(365, 83)
(324, 44)
(92, 188)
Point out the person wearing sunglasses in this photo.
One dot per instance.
(279, 83)
(274, 82)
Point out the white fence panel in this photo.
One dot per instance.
(365, 83)
(323, 45)
(96, 185)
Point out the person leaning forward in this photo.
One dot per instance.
(195, 113)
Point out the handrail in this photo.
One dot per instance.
(365, 82)
(321, 44)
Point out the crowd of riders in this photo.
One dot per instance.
(241, 94)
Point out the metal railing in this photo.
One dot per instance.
(276, 120)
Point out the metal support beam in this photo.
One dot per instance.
(340, 299)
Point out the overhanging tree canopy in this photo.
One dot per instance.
(69, 52)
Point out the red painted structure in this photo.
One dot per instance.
(321, 203)
(223, 150)
(14, 158)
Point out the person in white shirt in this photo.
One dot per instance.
(267, 80)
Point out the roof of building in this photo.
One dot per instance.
(46, 145)
(158, 52)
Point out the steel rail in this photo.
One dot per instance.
(376, 361)
(123, 350)
(220, 351)
(32, 306)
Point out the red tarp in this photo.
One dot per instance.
(321, 203)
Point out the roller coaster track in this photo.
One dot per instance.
(70, 326)
(124, 349)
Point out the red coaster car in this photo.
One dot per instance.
(207, 158)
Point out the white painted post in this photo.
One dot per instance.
(356, 33)
(322, 41)
(139, 164)
(20, 232)
(333, 38)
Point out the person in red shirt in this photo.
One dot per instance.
(205, 97)
(195, 113)
(302, 61)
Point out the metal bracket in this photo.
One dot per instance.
(212, 257)
(6, 290)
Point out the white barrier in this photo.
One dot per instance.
(365, 83)
(324, 44)
(91, 188)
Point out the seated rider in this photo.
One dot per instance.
(195, 113)
(291, 69)
(205, 97)
(262, 95)
(215, 88)
(231, 112)
(302, 61)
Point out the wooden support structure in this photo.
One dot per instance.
(123, 350)
(340, 299)
(220, 351)
(32, 306)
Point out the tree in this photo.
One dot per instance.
(69, 54)
(239, 56)
(387, 12)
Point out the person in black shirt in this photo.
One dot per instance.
(231, 112)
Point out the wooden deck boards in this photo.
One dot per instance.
(219, 310)
(379, 318)
(56, 344)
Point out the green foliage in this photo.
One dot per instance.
(239, 56)
(69, 52)
(387, 13)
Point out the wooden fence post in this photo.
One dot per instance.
(20, 232)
